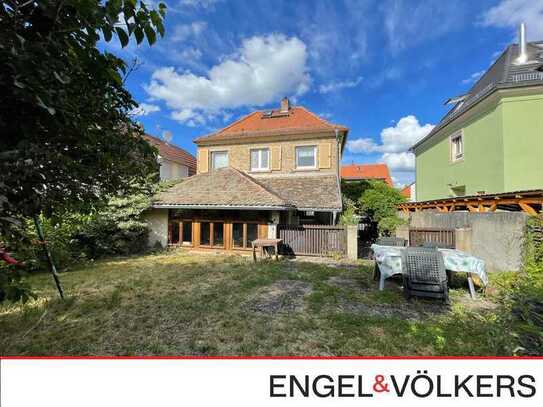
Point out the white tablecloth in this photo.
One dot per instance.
(389, 260)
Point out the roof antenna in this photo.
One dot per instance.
(523, 55)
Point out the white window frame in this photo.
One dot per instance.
(305, 167)
(260, 152)
(213, 161)
(455, 156)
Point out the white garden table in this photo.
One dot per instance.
(389, 261)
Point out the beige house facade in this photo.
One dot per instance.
(270, 167)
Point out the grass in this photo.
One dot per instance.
(186, 304)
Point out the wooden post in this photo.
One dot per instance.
(52, 267)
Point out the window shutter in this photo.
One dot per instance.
(325, 155)
(275, 157)
(203, 160)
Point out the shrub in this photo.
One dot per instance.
(380, 201)
(349, 216)
(525, 299)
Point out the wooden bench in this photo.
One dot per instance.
(265, 243)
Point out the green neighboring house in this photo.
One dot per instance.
(491, 141)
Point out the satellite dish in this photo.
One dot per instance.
(167, 136)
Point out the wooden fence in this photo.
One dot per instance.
(441, 237)
(313, 240)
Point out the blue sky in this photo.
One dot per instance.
(382, 68)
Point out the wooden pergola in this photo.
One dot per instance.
(530, 202)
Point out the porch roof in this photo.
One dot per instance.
(315, 192)
(223, 188)
(228, 188)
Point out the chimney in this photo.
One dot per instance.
(522, 55)
(285, 105)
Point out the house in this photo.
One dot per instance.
(269, 167)
(491, 141)
(175, 163)
(409, 192)
(365, 172)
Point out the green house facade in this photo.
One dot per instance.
(491, 141)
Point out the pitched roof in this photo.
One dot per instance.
(366, 172)
(226, 187)
(298, 120)
(173, 153)
(231, 188)
(307, 192)
(505, 73)
(406, 191)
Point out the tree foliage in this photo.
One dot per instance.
(68, 142)
(380, 202)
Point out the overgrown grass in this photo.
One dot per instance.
(186, 304)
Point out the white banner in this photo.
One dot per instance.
(271, 382)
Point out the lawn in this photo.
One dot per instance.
(176, 303)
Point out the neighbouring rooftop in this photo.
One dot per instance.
(360, 172)
(173, 153)
(507, 72)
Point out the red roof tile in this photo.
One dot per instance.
(406, 191)
(298, 120)
(366, 172)
(173, 153)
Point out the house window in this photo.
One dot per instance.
(306, 157)
(260, 159)
(219, 159)
(457, 146)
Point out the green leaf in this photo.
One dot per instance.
(123, 36)
(107, 33)
(162, 9)
(160, 28)
(60, 79)
(138, 33)
(150, 34)
(43, 105)
(155, 17)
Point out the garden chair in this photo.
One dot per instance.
(437, 245)
(424, 273)
(391, 241)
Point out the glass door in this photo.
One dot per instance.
(186, 233)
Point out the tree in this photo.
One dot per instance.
(67, 139)
(380, 202)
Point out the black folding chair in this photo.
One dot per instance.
(424, 273)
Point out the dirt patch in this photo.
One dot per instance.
(407, 311)
(345, 282)
(282, 297)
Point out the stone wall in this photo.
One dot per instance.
(496, 237)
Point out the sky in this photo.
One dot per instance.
(382, 68)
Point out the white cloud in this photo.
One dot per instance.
(183, 32)
(409, 23)
(144, 109)
(263, 70)
(362, 145)
(396, 139)
(395, 143)
(474, 77)
(400, 162)
(336, 86)
(510, 13)
(199, 3)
